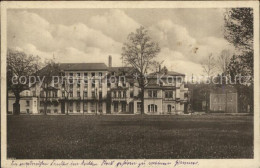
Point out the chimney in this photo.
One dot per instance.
(109, 61)
(159, 68)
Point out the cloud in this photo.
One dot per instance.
(114, 23)
(76, 43)
(103, 34)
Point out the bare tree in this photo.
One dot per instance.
(139, 52)
(209, 65)
(20, 67)
(223, 61)
(50, 72)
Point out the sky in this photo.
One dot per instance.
(186, 36)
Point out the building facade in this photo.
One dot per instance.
(94, 88)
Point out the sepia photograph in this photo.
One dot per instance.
(130, 83)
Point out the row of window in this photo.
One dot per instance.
(49, 111)
(49, 94)
(119, 94)
(86, 74)
(93, 107)
(85, 94)
(153, 94)
(123, 107)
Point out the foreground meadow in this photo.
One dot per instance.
(111, 137)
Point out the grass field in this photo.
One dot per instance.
(103, 137)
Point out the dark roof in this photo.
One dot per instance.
(175, 73)
(116, 69)
(83, 66)
(223, 89)
(169, 73)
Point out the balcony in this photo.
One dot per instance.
(119, 98)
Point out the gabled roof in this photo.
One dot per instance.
(117, 69)
(83, 66)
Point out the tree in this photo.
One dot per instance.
(139, 52)
(209, 68)
(223, 61)
(20, 67)
(209, 65)
(48, 74)
(239, 28)
(239, 32)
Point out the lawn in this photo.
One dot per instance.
(111, 137)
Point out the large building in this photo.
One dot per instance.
(95, 88)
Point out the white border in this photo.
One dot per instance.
(214, 163)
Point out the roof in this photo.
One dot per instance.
(83, 66)
(169, 73)
(116, 69)
(173, 73)
(223, 89)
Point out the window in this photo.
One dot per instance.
(71, 94)
(71, 86)
(85, 74)
(41, 111)
(114, 94)
(100, 107)
(78, 94)
(139, 107)
(86, 84)
(123, 107)
(27, 103)
(42, 93)
(56, 104)
(152, 93)
(78, 106)
(119, 94)
(124, 94)
(152, 108)
(48, 111)
(34, 93)
(63, 94)
(54, 94)
(169, 107)
(41, 103)
(113, 73)
(93, 94)
(186, 95)
(93, 83)
(71, 74)
(132, 84)
(85, 94)
(168, 94)
(100, 74)
(78, 74)
(155, 93)
(93, 74)
(78, 85)
(131, 94)
(85, 107)
(100, 95)
(115, 107)
(71, 107)
(108, 84)
(93, 108)
(55, 111)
